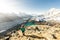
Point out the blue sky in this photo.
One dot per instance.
(40, 4)
(31, 6)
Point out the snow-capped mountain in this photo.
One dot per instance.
(8, 20)
(52, 14)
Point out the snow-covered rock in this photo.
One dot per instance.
(52, 14)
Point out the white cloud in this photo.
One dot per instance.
(7, 6)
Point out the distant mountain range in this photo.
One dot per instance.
(52, 14)
(9, 20)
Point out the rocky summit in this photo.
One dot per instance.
(35, 32)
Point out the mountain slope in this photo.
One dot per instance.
(9, 20)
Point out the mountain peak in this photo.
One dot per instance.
(53, 11)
